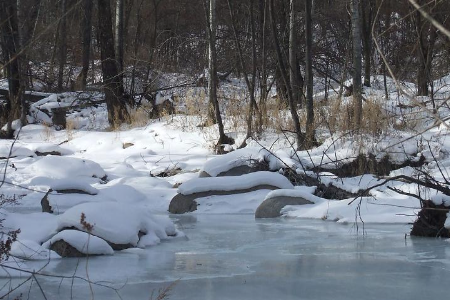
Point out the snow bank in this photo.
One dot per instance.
(75, 183)
(117, 223)
(66, 167)
(198, 185)
(384, 209)
(82, 241)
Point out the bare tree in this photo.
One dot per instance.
(293, 61)
(119, 36)
(212, 69)
(357, 63)
(284, 75)
(117, 111)
(86, 33)
(11, 55)
(62, 43)
(310, 132)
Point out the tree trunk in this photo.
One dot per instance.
(357, 64)
(86, 33)
(310, 132)
(284, 74)
(119, 37)
(117, 111)
(263, 79)
(426, 35)
(62, 48)
(9, 41)
(293, 69)
(367, 21)
(212, 78)
(249, 82)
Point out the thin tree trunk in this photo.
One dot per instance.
(62, 48)
(249, 82)
(367, 21)
(310, 131)
(357, 64)
(293, 70)
(263, 79)
(86, 33)
(119, 37)
(284, 74)
(212, 79)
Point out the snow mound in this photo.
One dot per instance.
(299, 192)
(118, 223)
(66, 167)
(18, 150)
(48, 148)
(30, 250)
(82, 241)
(243, 182)
(240, 157)
(74, 184)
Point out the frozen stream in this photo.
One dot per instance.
(236, 257)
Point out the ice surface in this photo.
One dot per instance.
(236, 257)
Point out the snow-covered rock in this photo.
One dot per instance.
(30, 250)
(276, 200)
(66, 185)
(66, 167)
(121, 225)
(239, 158)
(43, 149)
(84, 243)
(188, 192)
(17, 150)
(243, 182)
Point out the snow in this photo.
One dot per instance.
(74, 183)
(82, 241)
(30, 250)
(300, 192)
(59, 167)
(116, 222)
(48, 148)
(198, 185)
(237, 158)
(17, 150)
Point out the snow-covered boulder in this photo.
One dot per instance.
(275, 201)
(236, 163)
(59, 167)
(184, 201)
(17, 150)
(75, 243)
(77, 185)
(30, 250)
(121, 225)
(44, 149)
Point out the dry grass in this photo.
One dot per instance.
(71, 125)
(339, 117)
(138, 117)
(47, 132)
